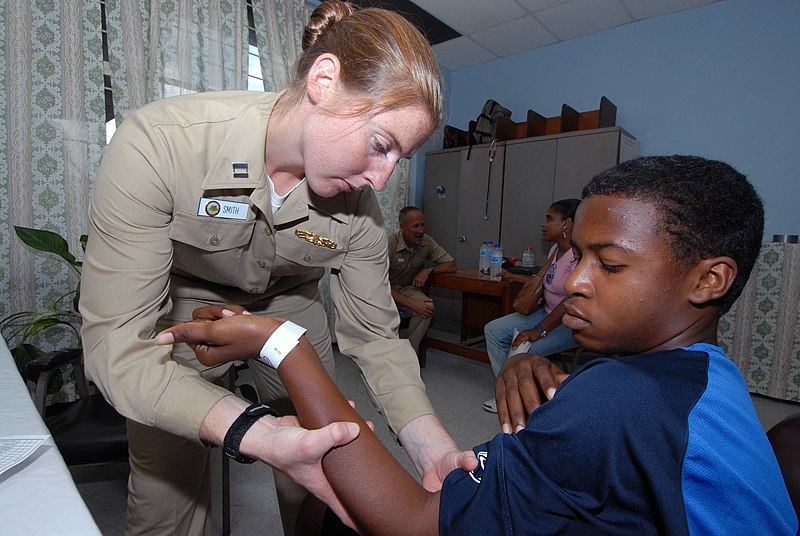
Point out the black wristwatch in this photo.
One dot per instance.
(234, 435)
(541, 330)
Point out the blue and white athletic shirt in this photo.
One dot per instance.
(664, 443)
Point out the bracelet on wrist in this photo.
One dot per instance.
(282, 341)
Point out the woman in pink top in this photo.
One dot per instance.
(541, 331)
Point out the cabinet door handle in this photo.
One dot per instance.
(461, 238)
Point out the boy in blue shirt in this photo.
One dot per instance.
(662, 438)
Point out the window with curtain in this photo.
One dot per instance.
(71, 69)
(52, 133)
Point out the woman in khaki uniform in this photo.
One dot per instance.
(245, 198)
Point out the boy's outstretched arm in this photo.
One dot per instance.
(379, 494)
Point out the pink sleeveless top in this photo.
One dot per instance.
(556, 276)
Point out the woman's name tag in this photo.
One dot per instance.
(218, 208)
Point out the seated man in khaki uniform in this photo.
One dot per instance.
(413, 257)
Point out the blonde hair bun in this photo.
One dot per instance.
(323, 17)
(385, 61)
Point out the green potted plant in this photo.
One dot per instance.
(20, 328)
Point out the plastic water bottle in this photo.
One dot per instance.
(497, 262)
(528, 258)
(486, 258)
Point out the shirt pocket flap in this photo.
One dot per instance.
(299, 251)
(210, 234)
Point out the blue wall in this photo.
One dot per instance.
(721, 81)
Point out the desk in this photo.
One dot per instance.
(38, 496)
(482, 300)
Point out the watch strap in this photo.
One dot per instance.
(234, 435)
(541, 330)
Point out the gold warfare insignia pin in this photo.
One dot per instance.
(315, 239)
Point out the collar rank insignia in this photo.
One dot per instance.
(240, 170)
(315, 239)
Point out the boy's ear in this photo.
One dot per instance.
(322, 78)
(713, 278)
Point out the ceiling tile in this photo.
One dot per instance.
(514, 37)
(499, 28)
(461, 52)
(479, 15)
(538, 5)
(582, 17)
(643, 9)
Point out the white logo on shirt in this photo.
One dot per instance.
(482, 456)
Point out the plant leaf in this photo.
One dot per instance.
(47, 241)
(43, 323)
(23, 354)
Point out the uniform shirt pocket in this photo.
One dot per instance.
(210, 234)
(211, 249)
(292, 251)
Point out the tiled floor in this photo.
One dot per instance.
(456, 387)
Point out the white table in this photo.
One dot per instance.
(38, 496)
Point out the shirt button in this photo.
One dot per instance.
(268, 231)
(262, 263)
(214, 240)
(307, 258)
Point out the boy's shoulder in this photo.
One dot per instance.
(645, 370)
(652, 386)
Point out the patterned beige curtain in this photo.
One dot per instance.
(162, 48)
(279, 30)
(395, 196)
(761, 332)
(52, 117)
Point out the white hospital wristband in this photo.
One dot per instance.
(281, 342)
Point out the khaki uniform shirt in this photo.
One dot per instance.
(405, 262)
(154, 254)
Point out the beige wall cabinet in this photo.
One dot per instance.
(468, 201)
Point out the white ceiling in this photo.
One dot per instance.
(493, 29)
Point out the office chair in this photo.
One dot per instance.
(89, 430)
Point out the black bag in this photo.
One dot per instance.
(485, 127)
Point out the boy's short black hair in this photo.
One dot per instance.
(709, 209)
